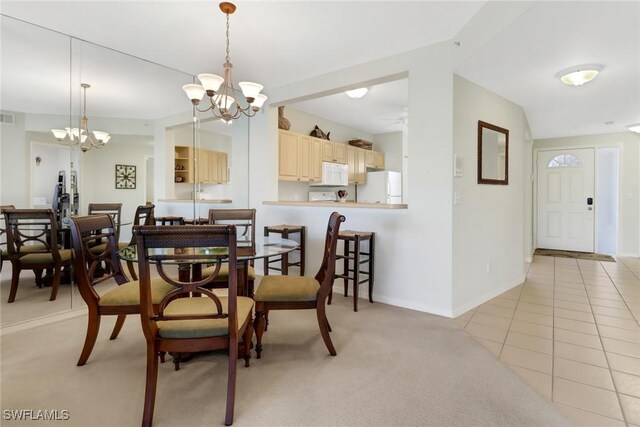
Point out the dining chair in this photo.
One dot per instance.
(245, 222)
(112, 209)
(4, 251)
(32, 243)
(300, 292)
(143, 216)
(186, 323)
(121, 300)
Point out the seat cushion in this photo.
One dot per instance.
(98, 249)
(223, 274)
(200, 328)
(45, 257)
(287, 288)
(129, 293)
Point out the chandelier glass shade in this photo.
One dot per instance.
(224, 97)
(82, 137)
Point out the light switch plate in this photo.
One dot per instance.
(457, 165)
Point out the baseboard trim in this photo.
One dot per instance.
(457, 311)
(626, 255)
(42, 321)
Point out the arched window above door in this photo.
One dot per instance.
(565, 161)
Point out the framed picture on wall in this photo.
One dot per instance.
(125, 177)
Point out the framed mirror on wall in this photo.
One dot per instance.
(493, 154)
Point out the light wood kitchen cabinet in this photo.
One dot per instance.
(183, 165)
(299, 157)
(357, 165)
(211, 166)
(375, 159)
(333, 151)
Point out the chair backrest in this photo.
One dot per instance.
(152, 242)
(143, 216)
(26, 227)
(87, 232)
(3, 228)
(328, 266)
(243, 219)
(112, 209)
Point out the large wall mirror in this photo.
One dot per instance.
(135, 101)
(493, 154)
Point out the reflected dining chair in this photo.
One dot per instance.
(186, 323)
(300, 292)
(119, 301)
(32, 243)
(245, 222)
(143, 216)
(4, 251)
(112, 209)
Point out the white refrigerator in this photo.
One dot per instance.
(381, 187)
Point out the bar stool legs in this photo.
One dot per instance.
(286, 231)
(353, 261)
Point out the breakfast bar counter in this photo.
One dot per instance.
(348, 204)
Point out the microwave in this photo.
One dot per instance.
(333, 175)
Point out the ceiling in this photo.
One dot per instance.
(275, 42)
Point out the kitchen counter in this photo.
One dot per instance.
(338, 204)
(211, 201)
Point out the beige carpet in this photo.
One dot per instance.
(574, 254)
(395, 367)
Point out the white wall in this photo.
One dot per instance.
(413, 247)
(489, 221)
(391, 145)
(629, 184)
(303, 122)
(14, 159)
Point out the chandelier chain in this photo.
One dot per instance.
(228, 58)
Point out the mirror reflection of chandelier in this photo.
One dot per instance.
(82, 136)
(223, 96)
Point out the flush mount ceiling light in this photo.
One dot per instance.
(357, 93)
(223, 95)
(577, 76)
(634, 128)
(82, 137)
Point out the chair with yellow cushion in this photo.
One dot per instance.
(300, 292)
(245, 222)
(114, 210)
(143, 216)
(119, 301)
(185, 323)
(32, 243)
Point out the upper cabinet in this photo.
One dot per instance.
(375, 160)
(211, 166)
(301, 156)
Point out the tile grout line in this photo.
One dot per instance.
(622, 296)
(615, 387)
(553, 335)
(514, 312)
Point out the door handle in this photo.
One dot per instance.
(590, 201)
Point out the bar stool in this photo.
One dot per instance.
(169, 220)
(353, 255)
(285, 232)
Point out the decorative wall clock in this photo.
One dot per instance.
(126, 177)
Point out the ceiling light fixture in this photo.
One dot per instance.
(634, 127)
(357, 93)
(82, 137)
(223, 96)
(577, 76)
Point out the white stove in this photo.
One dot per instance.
(322, 196)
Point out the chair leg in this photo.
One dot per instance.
(323, 323)
(118, 326)
(259, 326)
(15, 279)
(356, 272)
(56, 283)
(247, 337)
(150, 387)
(132, 270)
(231, 382)
(266, 319)
(371, 264)
(345, 270)
(93, 326)
(38, 273)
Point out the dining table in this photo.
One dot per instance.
(246, 252)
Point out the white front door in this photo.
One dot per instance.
(566, 199)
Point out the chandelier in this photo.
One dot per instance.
(82, 136)
(223, 95)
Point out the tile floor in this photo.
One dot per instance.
(571, 332)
